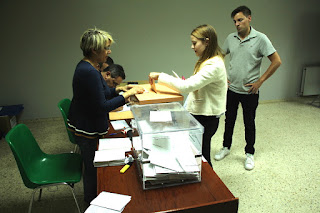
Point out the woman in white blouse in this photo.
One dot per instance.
(207, 87)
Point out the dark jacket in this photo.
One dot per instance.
(92, 101)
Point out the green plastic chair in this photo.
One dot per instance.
(38, 169)
(64, 106)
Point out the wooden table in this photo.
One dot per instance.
(210, 195)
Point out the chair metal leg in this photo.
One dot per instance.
(40, 193)
(316, 101)
(75, 149)
(71, 185)
(31, 201)
(74, 196)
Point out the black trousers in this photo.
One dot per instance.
(210, 124)
(88, 148)
(249, 105)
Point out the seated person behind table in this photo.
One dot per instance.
(113, 75)
(105, 64)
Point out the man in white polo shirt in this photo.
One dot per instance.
(246, 47)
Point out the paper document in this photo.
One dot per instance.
(161, 170)
(187, 159)
(126, 108)
(123, 144)
(109, 158)
(160, 116)
(165, 160)
(145, 126)
(108, 155)
(136, 143)
(148, 170)
(98, 209)
(111, 201)
(173, 151)
(119, 124)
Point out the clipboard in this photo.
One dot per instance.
(164, 94)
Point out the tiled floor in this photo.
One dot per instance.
(286, 177)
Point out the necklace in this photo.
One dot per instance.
(96, 66)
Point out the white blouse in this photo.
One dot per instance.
(207, 88)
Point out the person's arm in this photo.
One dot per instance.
(134, 90)
(129, 90)
(126, 88)
(99, 96)
(122, 88)
(205, 76)
(225, 51)
(275, 64)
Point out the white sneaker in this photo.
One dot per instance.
(222, 153)
(249, 163)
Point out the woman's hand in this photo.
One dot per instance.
(120, 88)
(154, 75)
(132, 91)
(125, 88)
(136, 89)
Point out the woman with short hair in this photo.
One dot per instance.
(92, 101)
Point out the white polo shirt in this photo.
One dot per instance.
(245, 58)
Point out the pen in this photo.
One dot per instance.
(115, 133)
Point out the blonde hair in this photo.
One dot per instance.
(94, 39)
(207, 32)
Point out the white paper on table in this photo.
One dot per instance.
(161, 170)
(115, 143)
(161, 153)
(144, 125)
(108, 155)
(160, 116)
(98, 209)
(155, 142)
(161, 143)
(125, 108)
(119, 124)
(136, 142)
(111, 200)
(184, 153)
(165, 160)
(172, 151)
(148, 170)
(187, 159)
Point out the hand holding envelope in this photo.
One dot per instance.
(152, 77)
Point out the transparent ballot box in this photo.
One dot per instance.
(168, 150)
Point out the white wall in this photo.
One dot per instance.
(40, 42)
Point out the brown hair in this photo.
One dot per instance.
(207, 32)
